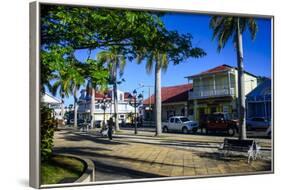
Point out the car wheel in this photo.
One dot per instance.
(231, 131)
(165, 129)
(184, 130)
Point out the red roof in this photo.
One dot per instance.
(99, 95)
(217, 69)
(169, 94)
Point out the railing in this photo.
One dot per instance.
(211, 93)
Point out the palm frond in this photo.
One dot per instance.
(253, 27)
(149, 63)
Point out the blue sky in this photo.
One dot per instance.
(257, 53)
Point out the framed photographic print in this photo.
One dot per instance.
(127, 94)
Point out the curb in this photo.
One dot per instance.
(89, 171)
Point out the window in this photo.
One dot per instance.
(177, 120)
(184, 119)
(172, 120)
(97, 106)
(121, 97)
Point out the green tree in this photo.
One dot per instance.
(224, 28)
(91, 28)
(63, 85)
(77, 80)
(115, 61)
(84, 28)
(136, 33)
(47, 128)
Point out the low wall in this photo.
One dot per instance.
(89, 171)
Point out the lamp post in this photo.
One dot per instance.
(148, 87)
(135, 101)
(104, 104)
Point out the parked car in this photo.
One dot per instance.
(257, 123)
(220, 122)
(180, 123)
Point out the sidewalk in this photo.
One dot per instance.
(149, 156)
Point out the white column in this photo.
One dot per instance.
(195, 110)
(229, 82)
(214, 84)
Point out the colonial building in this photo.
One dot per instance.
(174, 102)
(216, 90)
(53, 103)
(104, 105)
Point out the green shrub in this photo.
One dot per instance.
(47, 132)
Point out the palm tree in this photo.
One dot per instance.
(63, 85)
(160, 62)
(75, 73)
(115, 62)
(77, 82)
(224, 28)
(96, 75)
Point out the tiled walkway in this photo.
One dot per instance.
(146, 156)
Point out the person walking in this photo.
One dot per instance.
(110, 127)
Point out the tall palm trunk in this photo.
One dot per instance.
(115, 98)
(116, 106)
(75, 105)
(157, 98)
(241, 87)
(93, 104)
(62, 106)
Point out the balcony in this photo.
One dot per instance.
(202, 94)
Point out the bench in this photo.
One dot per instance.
(248, 146)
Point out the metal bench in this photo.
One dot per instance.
(248, 146)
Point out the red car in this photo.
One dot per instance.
(220, 122)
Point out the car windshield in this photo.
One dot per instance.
(184, 119)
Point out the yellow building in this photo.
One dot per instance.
(216, 90)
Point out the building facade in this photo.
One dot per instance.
(258, 102)
(216, 90)
(104, 106)
(54, 103)
(174, 102)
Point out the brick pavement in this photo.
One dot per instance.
(169, 155)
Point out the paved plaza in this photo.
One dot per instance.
(130, 156)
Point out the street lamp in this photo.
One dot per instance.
(105, 103)
(148, 87)
(135, 101)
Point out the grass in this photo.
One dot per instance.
(61, 169)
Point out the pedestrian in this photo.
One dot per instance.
(110, 127)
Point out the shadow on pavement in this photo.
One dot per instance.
(86, 136)
(92, 154)
(194, 144)
(113, 172)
